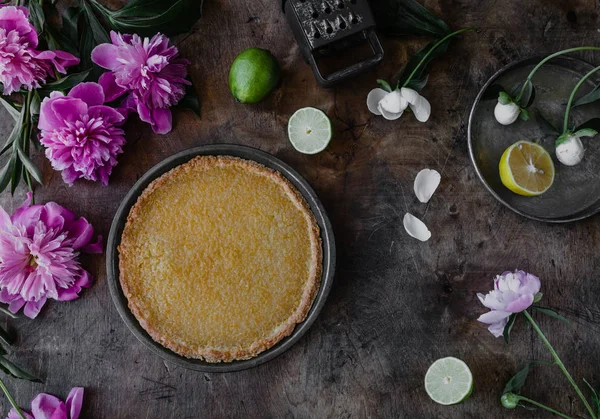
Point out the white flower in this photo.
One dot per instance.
(416, 228)
(393, 104)
(506, 114)
(571, 151)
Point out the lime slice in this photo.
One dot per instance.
(309, 130)
(448, 381)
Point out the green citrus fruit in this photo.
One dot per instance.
(253, 75)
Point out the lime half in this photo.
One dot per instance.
(448, 381)
(309, 130)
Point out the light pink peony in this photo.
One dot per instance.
(21, 65)
(513, 292)
(82, 136)
(148, 71)
(39, 246)
(47, 406)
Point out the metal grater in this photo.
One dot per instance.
(322, 27)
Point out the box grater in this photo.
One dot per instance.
(324, 27)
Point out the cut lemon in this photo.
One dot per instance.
(309, 130)
(527, 169)
(449, 381)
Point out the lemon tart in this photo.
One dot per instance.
(220, 258)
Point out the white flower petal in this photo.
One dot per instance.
(411, 96)
(373, 99)
(393, 102)
(422, 109)
(416, 228)
(426, 183)
(387, 115)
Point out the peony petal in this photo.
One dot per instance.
(107, 113)
(60, 412)
(416, 228)
(497, 329)
(69, 110)
(91, 93)
(422, 109)
(493, 300)
(14, 415)
(393, 103)
(410, 95)
(426, 183)
(520, 304)
(44, 405)
(74, 402)
(387, 115)
(81, 231)
(32, 309)
(373, 99)
(94, 247)
(493, 316)
(112, 90)
(48, 120)
(105, 55)
(161, 121)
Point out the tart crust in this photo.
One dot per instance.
(130, 261)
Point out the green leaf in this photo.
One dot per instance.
(34, 107)
(11, 108)
(30, 167)
(509, 326)
(15, 371)
(593, 123)
(418, 57)
(6, 336)
(538, 297)
(551, 313)
(384, 85)
(7, 171)
(493, 92)
(595, 396)
(528, 94)
(586, 132)
(504, 98)
(591, 97)
(190, 100)
(92, 34)
(16, 175)
(65, 83)
(418, 84)
(517, 381)
(147, 17)
(36, 16)
(407, 17)
(524, 114)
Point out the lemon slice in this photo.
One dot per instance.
(309, 130)
(527, 169)
(449, 381)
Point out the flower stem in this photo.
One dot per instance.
(573, 93)
(545, 60)
(11, 400)
(8, 313)
(543, 406)
(433, 48)
(559, 363)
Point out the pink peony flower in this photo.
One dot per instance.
(21, 65)
(47, 406)
(39, 245)
(513, 292)
(148, 70)
(82, 136)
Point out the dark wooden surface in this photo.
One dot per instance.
(396, 304)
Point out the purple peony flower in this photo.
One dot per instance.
(21, 65)
(82, 136)
(39, 245)
(513, 292)
(47, 406)
(148, 70)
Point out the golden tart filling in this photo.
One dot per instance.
(220, 258)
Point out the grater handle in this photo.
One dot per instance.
(354, 69)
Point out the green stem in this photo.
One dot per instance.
(11, 400)
(433, 48)
(559, 363)
(545, 60)
(543, 406)
(573, 93)
(8, 313)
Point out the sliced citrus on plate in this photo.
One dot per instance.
(526, 169)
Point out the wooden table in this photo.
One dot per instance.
(397, 304)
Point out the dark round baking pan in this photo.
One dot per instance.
(114, 239)
(575, 193)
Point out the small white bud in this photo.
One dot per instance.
(506, 114)
(571, 151)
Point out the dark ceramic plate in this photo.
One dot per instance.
(114, 238)
(575, 193)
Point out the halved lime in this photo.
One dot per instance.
(309, 130)
(448, 381)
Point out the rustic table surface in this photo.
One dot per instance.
(397, 304)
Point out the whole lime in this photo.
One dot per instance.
(253, 75)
